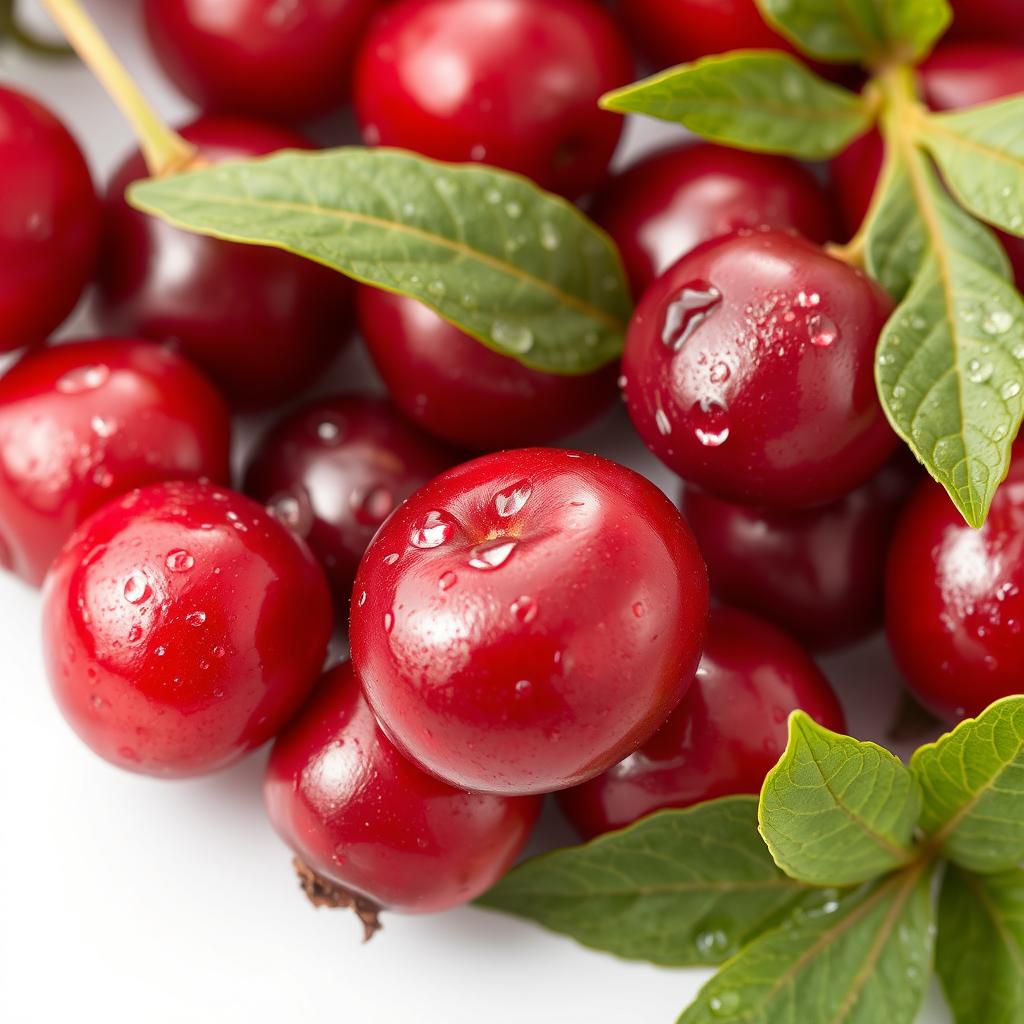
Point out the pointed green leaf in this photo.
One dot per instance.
(863, 957)
(520, 269)
(762, 100)
(979, 953)
(677, 888)
(972, 784)
(835, 811)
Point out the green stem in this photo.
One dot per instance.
(164, 150)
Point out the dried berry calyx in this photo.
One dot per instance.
(322, 892)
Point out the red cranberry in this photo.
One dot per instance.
(996, 20)
(528, 619)
(183, 627)
(670, 202)
(335, 469)
(514, 83)
(286, 61)
(954, 601)
(729, 731)
(463, 392)
(263, 323)
(86, 422)
(819, 572)
(49, 221)
(749, 371)
(370, 823)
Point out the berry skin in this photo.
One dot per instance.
(818, 573)
(528, 619)
(512, 83)
(749, 371)
(85, 422)
(260, 57)
(261, 322)
(367, 821)
(729, 731)
(335, 469)
(954, 603)
(667, 204)
(182, 627)
(457, 389)
(995, 20)
(49, 221)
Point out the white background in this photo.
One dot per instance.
(126, 899)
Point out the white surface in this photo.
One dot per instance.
(126, 899)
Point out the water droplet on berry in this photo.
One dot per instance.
(432, 531)
(180, 561)
(662, 422)
(136, 587)
(638, 610)
(362, 600)
(710, 423)
(389, 622)
(525, 609)
(196, 618)
(492, 554)
(524, 688)
(391, 559)
(696, 302)
(821, 330)
(447, 581)
(83, 378)
(720, 373)
(512, 500)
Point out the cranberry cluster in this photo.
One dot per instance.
(534, 619)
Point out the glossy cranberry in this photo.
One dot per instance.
(667, 204)
(749, 371)
(528, 619)
(463, 392)
(335, 469)
(995, 20)
(182, 627)
(819, 572)
(261, 322)
(49, 221)
(83, 423)
(270, 59)
(955, 599)
(513, 83)
(365, 819)
(729, 731)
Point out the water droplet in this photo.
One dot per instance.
(493, 196)
(712, 941)
(725, 1004)
(218, 651)
(808, 300)
(180, 561)
(979, 372)
(437, 288)
(512, 336)
(102, 427)
(389, 622)
(550, 237)
(821, 330)
(391, 559)
(492, 554)
(662, 422)
(696, 302)
(409, 209)
(524, 688)
(329, 429)
(525, 609)
(512, 500)
(639, 610)
(83, 378)
(136, 587)
(362, 600)
(134, 634)
(433, 530)
(159, 651)
(710, 423)
(293, 510)
(514, 209)
(1011, 389)
(720, 373)
(447, 581)
(997, 321)
(196, 618)
(376, 506)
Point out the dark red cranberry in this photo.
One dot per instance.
(83, 423)
(266, 58)
(994, 20)
(512, 83)
(818, 573)
(528, 619)
(749, 371)
(667, 204)
(49, 221)
(261, 322)
(955, 599)
(335, 469)
(183, 626)
(463, 392)
(372, 826)
(729, 731)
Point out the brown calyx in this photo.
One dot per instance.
(322, 892)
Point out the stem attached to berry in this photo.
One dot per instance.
(164, 150)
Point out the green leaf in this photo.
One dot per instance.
(972, 784)
(835, 811)
(862, 31)
(949, 361)
(677, 888)
(520, 269)
(762, 100)
(860, 958)
(979, 952)
(981, 155)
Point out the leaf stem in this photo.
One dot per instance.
(164, 150)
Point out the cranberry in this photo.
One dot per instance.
(463, 392)
(676, 31)
(183, 627)
(514, 83)
(86, 422)
(335, 469)
(528, 619)
(263, 323)
(270, 59)
(954, 602)
(987, 19)
(818, 573)
(749, 371)
(49, 221)
(366, 821)
(670, 202)
(729, 731)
